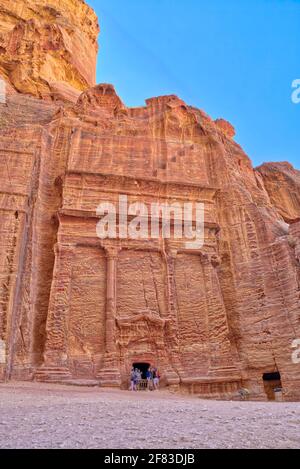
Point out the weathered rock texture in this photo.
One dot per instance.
(73, 306)
(46, 47)
(282, 183)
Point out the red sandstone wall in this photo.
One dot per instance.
(282, 183)
(48, 47)
(71, 306)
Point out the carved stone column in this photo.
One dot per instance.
(55, 367)
(109, 374)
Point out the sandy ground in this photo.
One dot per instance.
(51, 416)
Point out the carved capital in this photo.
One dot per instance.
(210, 259)
(172, 253)
(215, 260)
(112, 252)
(205, 257)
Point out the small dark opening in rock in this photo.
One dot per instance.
(143, 367)
(272, 383)
(272, 376)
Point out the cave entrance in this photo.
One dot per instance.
(272, 384)
(143, 367)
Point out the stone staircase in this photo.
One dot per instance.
(52, 375)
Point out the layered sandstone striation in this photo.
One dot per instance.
(73, 306)
(48, 46)
(282, 182)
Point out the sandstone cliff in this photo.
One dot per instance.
(72, 306)
(48, 46)
(282, 183)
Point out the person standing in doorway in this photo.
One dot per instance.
(149, 376)
(156, 379)
(139, 379)
(132, 378)
(136, 378)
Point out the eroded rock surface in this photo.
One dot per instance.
(282, 182)
(47, 44)
(73, 306)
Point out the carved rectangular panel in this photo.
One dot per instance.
(192, 311)
(140, 283)
(86, 322)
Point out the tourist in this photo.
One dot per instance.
(132, 379)
(156, 377)
(137, 377)
(149, 376)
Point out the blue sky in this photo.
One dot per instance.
(234, 59)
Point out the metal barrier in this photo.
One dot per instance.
(142, 385)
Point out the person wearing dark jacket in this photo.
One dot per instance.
(149, 376)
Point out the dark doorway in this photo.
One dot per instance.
(272, 383)
(143, 367)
